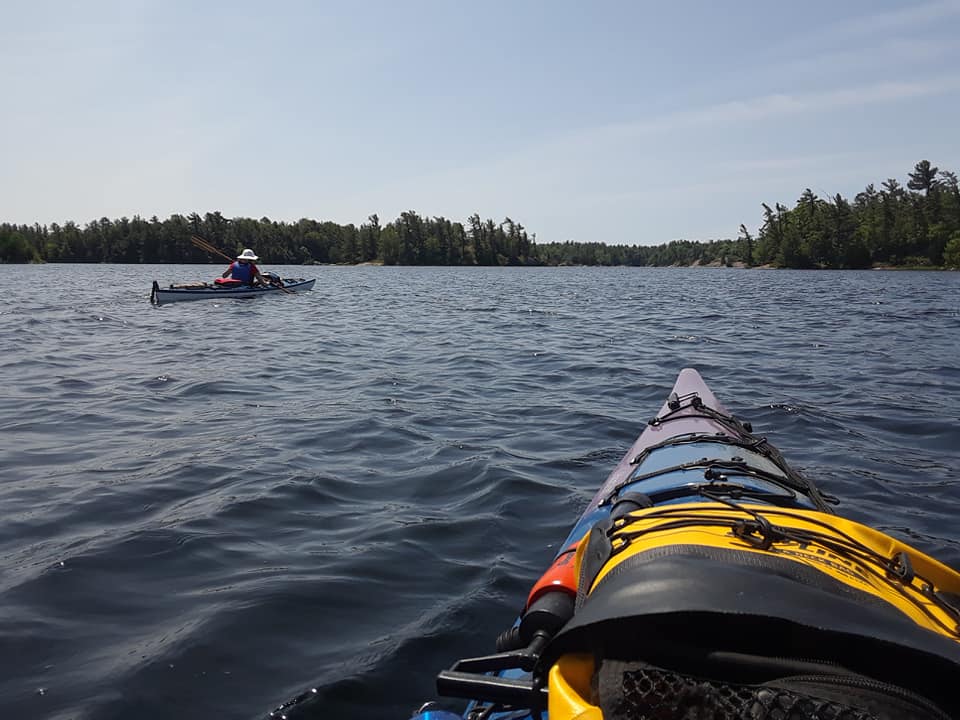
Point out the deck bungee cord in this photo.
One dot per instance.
(754, 443)
(742, 437)
(717, 474)
(675, 405)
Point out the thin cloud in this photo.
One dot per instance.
(903, 22)
(590, 142)
(780, 104)
(898, 20)
(558, 162)
(893, 53)
(790, 163)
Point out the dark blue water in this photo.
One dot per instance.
(210, 508)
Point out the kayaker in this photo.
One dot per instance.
(244, 269)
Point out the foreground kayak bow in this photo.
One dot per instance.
(706, 579)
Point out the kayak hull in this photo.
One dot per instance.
(160, 296)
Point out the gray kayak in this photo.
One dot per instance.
(208, 291)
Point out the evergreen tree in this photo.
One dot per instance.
(923, 177)
(747, 241)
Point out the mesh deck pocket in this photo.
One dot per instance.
(637, 691)
(654, 694)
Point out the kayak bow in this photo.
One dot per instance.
(707, 579)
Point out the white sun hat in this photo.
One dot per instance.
(248, 254)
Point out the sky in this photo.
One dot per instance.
(595, 121)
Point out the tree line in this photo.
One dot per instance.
(916, 225)
(409, 240)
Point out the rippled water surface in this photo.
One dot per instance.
(211, 507)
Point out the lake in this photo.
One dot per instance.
(211, 507)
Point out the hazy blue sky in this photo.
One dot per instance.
(636, 122)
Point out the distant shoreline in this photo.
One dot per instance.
(916, 227)
(373, 263)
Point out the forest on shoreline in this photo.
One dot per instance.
(917, 226)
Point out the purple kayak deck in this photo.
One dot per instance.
(683, 422)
